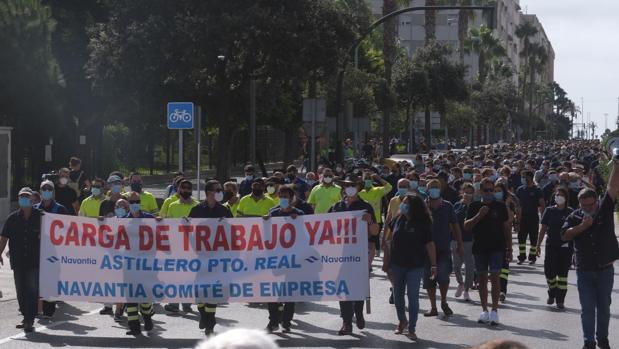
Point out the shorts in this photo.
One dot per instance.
(445, 267)
(489, 262)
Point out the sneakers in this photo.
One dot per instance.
(466, 296)
(345, 330)
(459, 291)
(106, 311)
(502, 297)
(412, 336)
(484, 318)
(494, 318)
(431, 312)
(446, 309)
(401, 327)
(272, 327)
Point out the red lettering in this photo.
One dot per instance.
(105, 232)
(220, 239)
(89, 234)
(203, 233)
(163, 243)
(185, 230)
(312, 231)
(269, 245)
(72, 235)
(146, 237)
(255, 239)
(237, 232)
(52, 232)
(123, 239)
(327, 234)
(292, 236)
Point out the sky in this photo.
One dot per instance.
(585, 38)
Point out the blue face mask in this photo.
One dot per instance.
(523, 180)
(115, 189)
(492, 177)
(476, 185)
(284, 203)
(403, 208)
(95, 191)
(467, 176)
(477, 198)
(134, 208)
(120, 212)
(402, 191)
(498, 196)
(249, 177)
(310, 182)
(434, 193)
(553, 177)
(25, 202)
(414, 184)
(488, 197)
(47, 194)
(368, 183)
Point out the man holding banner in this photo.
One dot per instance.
(351, 202)
(210, 208)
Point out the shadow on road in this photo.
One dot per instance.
(152, 341)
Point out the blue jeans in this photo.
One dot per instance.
(27, 289)
(594, 291)
(407, 279)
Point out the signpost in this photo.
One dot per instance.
(180, 117)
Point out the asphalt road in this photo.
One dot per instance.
(524, 317)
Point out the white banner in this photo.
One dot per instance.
(310, 258)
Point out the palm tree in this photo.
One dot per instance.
(430, 22)
(525, 31)
(538, 57)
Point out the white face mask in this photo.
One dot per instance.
(63, 180)
(219, 196)
(350, 191)
(270, 189)
(328, 179)
(560, 199)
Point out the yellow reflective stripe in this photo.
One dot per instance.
(133, 318)
(210, 310)
(503, 276)
(200, 306)
(132, 309)
(562, 278)
(505, 271)
(562, 287)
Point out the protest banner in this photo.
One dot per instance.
(310, 258)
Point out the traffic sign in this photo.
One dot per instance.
(180, 115)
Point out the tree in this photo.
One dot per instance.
(435, 80)
(494, 102)
(488, 48)
(151, 51)
(525, 31)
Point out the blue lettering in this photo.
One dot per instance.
(264, 289)
(63, 288)
(235, 290)
(194, 265)
(260, 261)
(169, 265)
(105, 263)
(118, 262)
(248, 290)
(140, 292)
(97, 291)
(212, 263)
(157, 291)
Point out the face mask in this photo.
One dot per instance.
(63, 180)
(553, 177)
(249, 177)
(270, 189)
(338, 169)
(488, 197)
(284, 203)
(492, 177)
(422, 189)
(498, 196)
(527, 167)
(404, 208)
(25, 202)
(477, 164)
(116, 188)
(467, 176)
(185, 194)
(219, 196)
(451, 178)
(413, 184)
(95, 191)
(477, 198)
(574, 185)
(434, 193)
(120, 212)
(560, 199)
(402, 191)
(311, 182)
(256, 192)
(467, 196)
(590, 213)
(350, 191)
(523, 180)
(368, 183)
(134, 208)
(328, 180)
(137, 187)
(47, 194)
(436, 168)
(476, 185)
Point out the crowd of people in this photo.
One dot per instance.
(440, 218)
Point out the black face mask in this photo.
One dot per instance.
(185, 194)
(137, 187)
(256, 192)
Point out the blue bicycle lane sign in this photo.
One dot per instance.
(180, 115)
